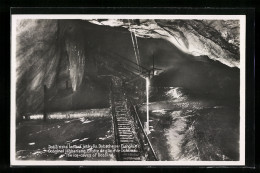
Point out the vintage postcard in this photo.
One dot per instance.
(128, 90)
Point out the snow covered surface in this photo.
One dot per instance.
(35, 137)
(73, 114)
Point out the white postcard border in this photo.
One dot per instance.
(241, 18)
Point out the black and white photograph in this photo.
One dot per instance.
(128, 90)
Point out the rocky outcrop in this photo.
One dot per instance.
(217, 39)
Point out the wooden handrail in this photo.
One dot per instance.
(146, 137)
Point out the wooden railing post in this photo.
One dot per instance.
(67, 84)
(44, 102)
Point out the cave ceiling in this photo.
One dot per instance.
(49, 51)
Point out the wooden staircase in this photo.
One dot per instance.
(124, 126)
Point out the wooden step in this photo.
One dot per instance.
(124, 124)
(125, 135)
(121, 111)
(126, 140)
(122, 120)
(122, 127)
(122, 116)
(125, 132)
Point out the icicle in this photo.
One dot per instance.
(77, 64)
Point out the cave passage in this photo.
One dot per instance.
(193, 100)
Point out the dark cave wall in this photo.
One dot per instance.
(37, 58)
(54, 53)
